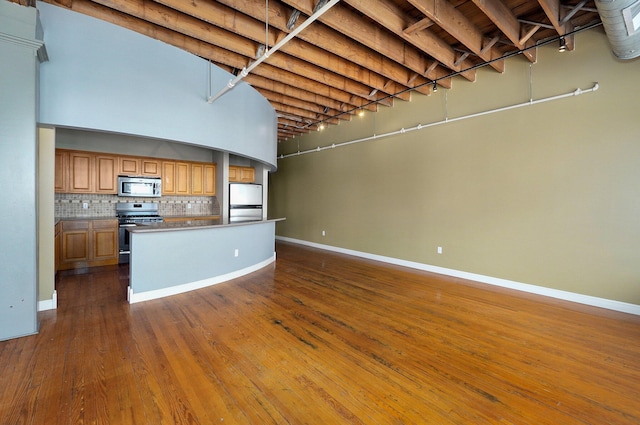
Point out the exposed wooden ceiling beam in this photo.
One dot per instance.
(360, 54)
(307, 106)
(236, 23)
(552, 10)
(329, 40)
(420, 25)
(260, 82)
(393, 18)
(172, 19)
(368, 34)
(314, 116)
(507, 22)
(462, 29)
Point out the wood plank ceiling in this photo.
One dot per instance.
(359, 55)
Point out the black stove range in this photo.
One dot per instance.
(129, 215)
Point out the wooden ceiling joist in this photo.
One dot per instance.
(357, 55)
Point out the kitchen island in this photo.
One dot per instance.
(173, 257)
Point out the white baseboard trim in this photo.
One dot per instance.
(525, 287)
(51, 304)
(185, 287)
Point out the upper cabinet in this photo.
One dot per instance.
(203, 179)
(61, 182)
(134, 166)
(128, 166)
(168, 177)
(81, 172)
(183, 178)
(150, 167)
(242, 174)
(209, 180)
(85, 172)
(90, 172)
(188, 178)
(105, 174)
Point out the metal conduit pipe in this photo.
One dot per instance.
(621, 20)
(267, 53)
(576, 92)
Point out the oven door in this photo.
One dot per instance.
(124, 247)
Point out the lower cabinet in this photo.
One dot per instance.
(88, 243)
(57, 241)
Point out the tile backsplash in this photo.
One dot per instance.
(70, 205)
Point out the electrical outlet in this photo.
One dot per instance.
(439, 250)
(85, 205)
(324, 233)
(236, 253)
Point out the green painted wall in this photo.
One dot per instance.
(547, 194)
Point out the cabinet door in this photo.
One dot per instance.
(105, 174)
(60, 183)
(57, 245)
(168, 178)
(128, 166)
(242, 174)
(105, 240)
(75, 241)
(197, 179)
(247, 174)
(233, 173)
(150, 167)
(80, 175)
(183, 178)
(209, 180)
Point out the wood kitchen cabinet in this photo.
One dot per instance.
(242, 174)
(104, 241)
(128, 166)
(91, 172)
(80, 172)
(150, 167)
(188, 178)
(209, 180)
(61, 182)
(88, 243)
(57, 243)
(88, 172)
(197, 179)
(183, 178)
(134, 166)
(168, 177)
(105, 177)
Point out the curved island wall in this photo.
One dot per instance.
(167, 261)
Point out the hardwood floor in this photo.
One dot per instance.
(321, 338)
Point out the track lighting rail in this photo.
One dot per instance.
(447, 120)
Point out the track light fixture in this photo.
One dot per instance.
(435, 87)
(361, 112)
(563, 45)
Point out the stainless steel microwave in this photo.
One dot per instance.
(139, 187)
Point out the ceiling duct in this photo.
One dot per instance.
(621, 21)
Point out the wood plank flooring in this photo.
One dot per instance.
(321, 338)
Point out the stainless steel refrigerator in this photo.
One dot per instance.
(245, 202)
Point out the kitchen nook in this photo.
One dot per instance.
(145, 170)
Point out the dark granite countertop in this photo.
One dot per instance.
(193, 224)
